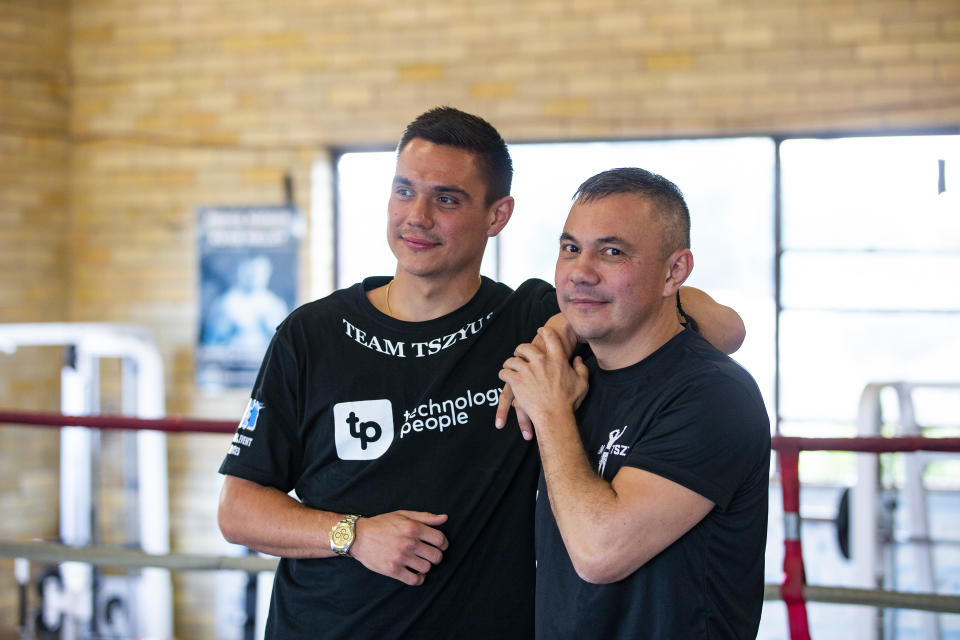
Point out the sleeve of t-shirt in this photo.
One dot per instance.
(541, 302)
(708, 439)
(265, 448)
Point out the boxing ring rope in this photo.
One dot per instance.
(172, 424)
(794, 591)
(101, 556)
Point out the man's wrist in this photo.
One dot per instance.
(551, 417)
(343, 535)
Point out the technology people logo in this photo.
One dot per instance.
(363, 430)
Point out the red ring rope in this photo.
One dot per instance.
(170, 424)
(789, 449)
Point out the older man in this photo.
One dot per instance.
(652, 510)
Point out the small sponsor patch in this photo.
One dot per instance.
(250, 415)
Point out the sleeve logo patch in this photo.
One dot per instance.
(363, 430)
(612, 448)
(250, 415)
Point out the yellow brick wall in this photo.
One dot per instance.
(34, 156)
(174, 105)
(34, 159)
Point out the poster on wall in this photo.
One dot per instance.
(248, 285)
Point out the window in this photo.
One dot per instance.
(870, 273)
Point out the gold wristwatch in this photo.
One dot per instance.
(343, 534)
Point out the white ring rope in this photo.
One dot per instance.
(873, 598)
(53, 553)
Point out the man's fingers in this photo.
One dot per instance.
(584, 375)
(435, 539)
(523, 420)
(527, 351)
(427, 533)
(507, 400)
(582, 372)
(402, 545)
(409, 577)
(432, 519)
(503, 406)
(513, 363)
(428, 554)
(552, 343)
(512, 367)
(526, 425)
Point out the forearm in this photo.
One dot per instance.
(584, 505)
(267, 520)
(720, 325)
(403, 545)
(610, 529)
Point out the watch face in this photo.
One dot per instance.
(342, 535)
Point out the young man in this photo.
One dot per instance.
(375, 403)
(652, 510)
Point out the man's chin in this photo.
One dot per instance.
(423, 269)
(586, 331)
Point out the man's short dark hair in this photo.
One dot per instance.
(670, 209)
(454, 128)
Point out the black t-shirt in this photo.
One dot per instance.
(692, 415)
(362, 413)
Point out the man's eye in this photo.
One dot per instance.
(612, 251)
(402, 192)
(446, 200)
(569, 248)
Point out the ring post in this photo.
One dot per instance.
(793, 574)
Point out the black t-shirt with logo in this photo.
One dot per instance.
(690, 414)
(361, 413)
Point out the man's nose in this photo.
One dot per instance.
(583, 270)
(419, 213)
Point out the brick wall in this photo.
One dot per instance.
(174, 105)
(34, 157)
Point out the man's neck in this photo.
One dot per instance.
(623, 353)
(417, 299)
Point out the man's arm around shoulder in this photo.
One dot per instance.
(720, 325)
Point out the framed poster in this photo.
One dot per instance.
(248, 284)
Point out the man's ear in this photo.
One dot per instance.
(679, 266)
(501, 210)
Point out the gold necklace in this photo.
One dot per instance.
(387, 296)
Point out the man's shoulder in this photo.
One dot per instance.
(532, 293)
(330, 306)
(698, 357)
(688, 371)
(533, 287)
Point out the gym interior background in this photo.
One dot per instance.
(119, 119)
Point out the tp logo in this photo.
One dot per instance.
(363, 430)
